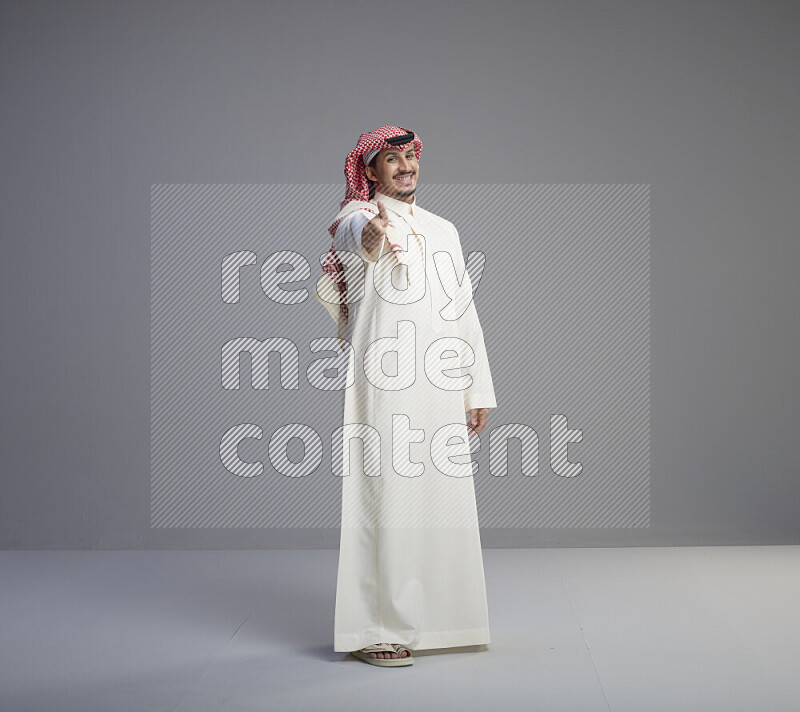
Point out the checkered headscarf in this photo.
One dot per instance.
(360, 190)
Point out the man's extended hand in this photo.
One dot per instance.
(477, 420)
(373, 232)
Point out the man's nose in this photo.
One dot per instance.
(405, 166)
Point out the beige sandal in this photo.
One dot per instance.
(363, 654)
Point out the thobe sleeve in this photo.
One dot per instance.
(480, 393)
(348, 235)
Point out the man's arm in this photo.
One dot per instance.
(480, 394)
(364, 233)
(349, 232)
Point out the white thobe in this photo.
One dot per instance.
(410, 560)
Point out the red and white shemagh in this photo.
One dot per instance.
(358, 189)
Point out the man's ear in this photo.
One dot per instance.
(369, 170)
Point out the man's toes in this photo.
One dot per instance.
(384, 656)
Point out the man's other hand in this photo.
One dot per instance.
(477, 420)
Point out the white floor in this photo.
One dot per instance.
(638, 630)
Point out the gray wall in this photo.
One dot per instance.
(101, 100)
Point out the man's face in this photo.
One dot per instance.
(395, 173)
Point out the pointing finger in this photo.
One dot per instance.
(384, 215)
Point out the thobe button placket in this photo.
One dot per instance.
(435, 325)
(405, 213)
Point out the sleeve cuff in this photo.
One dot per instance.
(479, 400)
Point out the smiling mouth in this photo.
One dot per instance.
(405, 179)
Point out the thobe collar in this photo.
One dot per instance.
(398, 206)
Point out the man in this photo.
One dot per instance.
(410, 560)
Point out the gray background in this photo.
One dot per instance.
(102, 100)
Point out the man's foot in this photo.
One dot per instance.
(385, 655)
